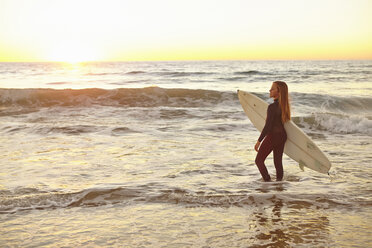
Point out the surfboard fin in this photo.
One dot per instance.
(302, 165)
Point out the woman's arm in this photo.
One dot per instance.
(267, 127)
(269, 122)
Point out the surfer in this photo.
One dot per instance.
(273, 135)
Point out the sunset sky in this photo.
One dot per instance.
(137, 30)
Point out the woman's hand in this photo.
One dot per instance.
(257, 146)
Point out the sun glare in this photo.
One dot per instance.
(91, 30)
(73, 52)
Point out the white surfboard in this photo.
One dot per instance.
(298, 146)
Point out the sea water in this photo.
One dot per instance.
(160, 154)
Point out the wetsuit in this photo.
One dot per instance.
(274, 137)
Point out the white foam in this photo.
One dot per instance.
(344, 124)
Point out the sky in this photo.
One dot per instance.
(148, 30)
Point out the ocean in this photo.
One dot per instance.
(161, 154)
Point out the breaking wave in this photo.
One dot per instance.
(334, 104)
(336, 123)
(33, 199)
(322, 112)
(140, 97)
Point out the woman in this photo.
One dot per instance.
(273, 134)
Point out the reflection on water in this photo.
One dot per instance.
(265, 187)
(163, 225)
(145, 216)
(274, 230)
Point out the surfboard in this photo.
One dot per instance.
(298, 146)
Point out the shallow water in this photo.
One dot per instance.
(173, 165)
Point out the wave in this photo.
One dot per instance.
(135, 72)
(327, 113)
(102, 73)
(336, 104)
(139, 97)
(184, 74)
(232, 78)
(68, 129)
(336, 123)
(251, 72)
(33, 199)
(114, 73)
(155, 96)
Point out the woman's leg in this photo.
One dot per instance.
(278, 157)
(264, 150)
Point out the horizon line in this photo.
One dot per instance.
(181, 60)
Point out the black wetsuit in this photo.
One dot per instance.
(274, 137)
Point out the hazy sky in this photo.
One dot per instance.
(73, 30)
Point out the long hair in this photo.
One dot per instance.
(284, 101)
